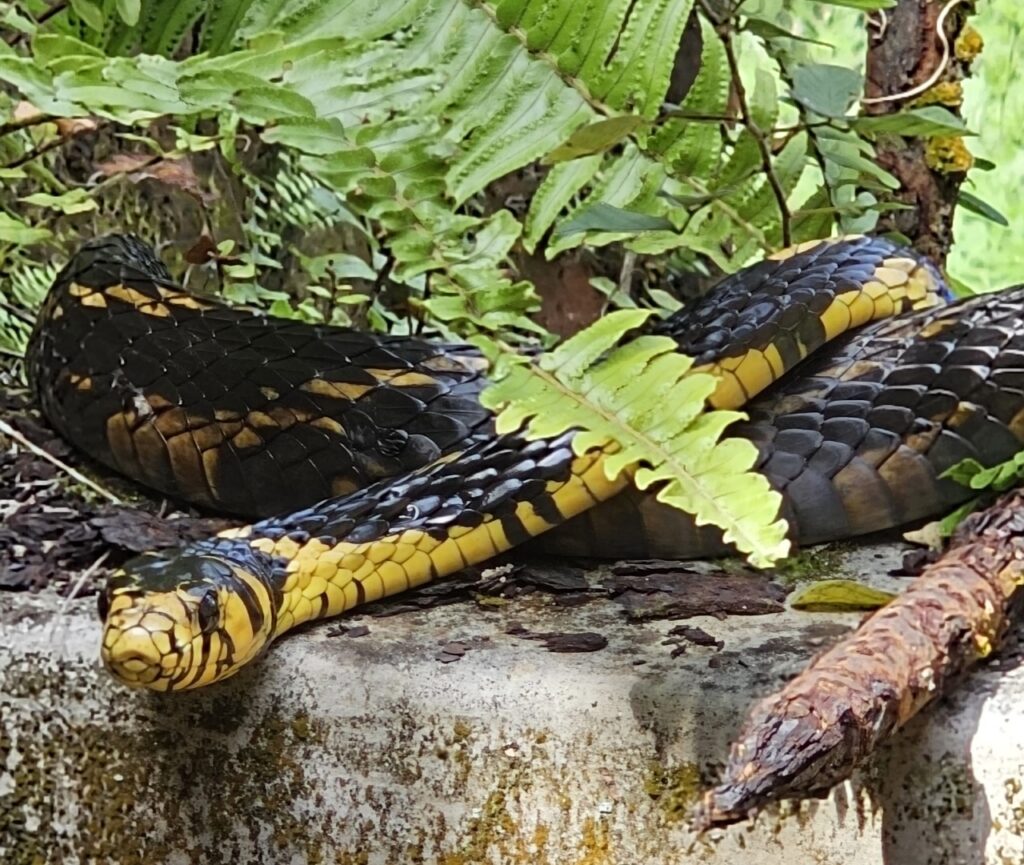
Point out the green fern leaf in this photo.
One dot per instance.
(645, 396)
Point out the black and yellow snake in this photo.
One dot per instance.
(375, 468)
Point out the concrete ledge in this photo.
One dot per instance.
(369, 751)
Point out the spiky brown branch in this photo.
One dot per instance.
(825, 722)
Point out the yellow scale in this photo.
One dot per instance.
(900, 284)
(326, 580)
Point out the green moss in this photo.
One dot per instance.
(947, 155)
(676, 788)
(949, 93)
(81, 787)
(968, 44)
(816, 563)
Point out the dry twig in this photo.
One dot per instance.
(9, 431)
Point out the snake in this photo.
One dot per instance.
(368, 465)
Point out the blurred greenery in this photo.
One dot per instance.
(986, 256)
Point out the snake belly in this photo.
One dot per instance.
(255, 415)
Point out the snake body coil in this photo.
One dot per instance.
(388, 473)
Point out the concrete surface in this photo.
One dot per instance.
(369, 751)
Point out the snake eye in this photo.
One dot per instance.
(208, 617)
(103, 604)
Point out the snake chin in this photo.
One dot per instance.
(185, 620)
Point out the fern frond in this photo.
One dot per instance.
(645, 396)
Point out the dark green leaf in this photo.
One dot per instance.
(921, 122)
(770, 30)
(866, 5)
(606, 217)
(594, 138)
(826, 90)
(971, 202)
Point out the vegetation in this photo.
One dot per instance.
(401, 164)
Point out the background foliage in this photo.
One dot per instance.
(394, 162)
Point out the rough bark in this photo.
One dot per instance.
(813, 733)
(905, 54)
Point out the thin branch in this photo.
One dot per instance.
(21, 36)
(11, 432)
(17, 312)
(759, 137)
(24, 123)
(35, 152)
(62, 610)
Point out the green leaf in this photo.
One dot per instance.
(606, 217)
(595, 138)
(17, 232)
(770, 30)
(129, 11)
(89, 12)
(970, 201)
(71, 202)
(839, 596)
(826, 90)
(924, 122)
(866, 5)
(645, 397)
(316, 136)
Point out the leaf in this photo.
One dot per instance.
(866, 5)
(644, 396)
(172, 172)
(606, 217)
(770, 30)
(594, 138)
(839, 596)
(321, 136)
(89, 12)
(826, 90)
(71, 202)
(924, 122)
(17, 232)
(129, 11)
(970, 201)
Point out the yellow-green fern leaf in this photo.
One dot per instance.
(644, 396)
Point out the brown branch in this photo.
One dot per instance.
(36, 152)
(829, 719)
(24, 123)
(758, 135)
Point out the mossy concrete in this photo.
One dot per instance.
(369, 751)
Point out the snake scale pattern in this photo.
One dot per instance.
(371, 466)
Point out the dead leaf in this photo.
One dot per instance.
(137, 167)
(680, 593)
(585, 641)
(839, 596)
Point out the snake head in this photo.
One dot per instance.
(186, 618)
